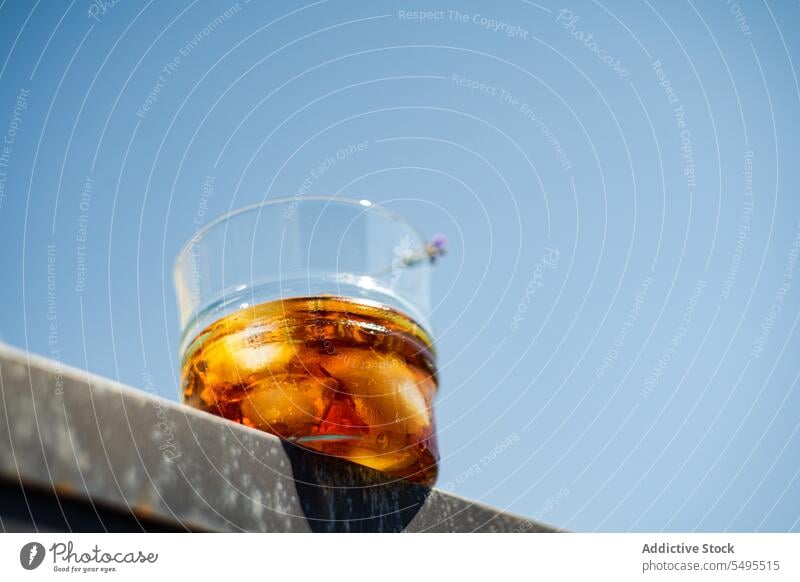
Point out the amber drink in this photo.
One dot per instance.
(350, 378)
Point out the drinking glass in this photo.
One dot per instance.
(307, 317)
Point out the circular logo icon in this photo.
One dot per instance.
(31, 555)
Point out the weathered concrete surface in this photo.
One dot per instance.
(78, 437)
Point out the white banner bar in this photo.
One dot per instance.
(389, 557)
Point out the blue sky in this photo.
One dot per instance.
(616, 319)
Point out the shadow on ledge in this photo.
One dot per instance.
(340, 496)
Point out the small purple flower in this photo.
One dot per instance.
(437, 247)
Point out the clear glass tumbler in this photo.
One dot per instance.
(306, 317)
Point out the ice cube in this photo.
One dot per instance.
(386, 391)
(287, 404)
(236, 358)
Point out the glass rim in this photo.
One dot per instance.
(366, 205)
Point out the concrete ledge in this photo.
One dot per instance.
(102, 455)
